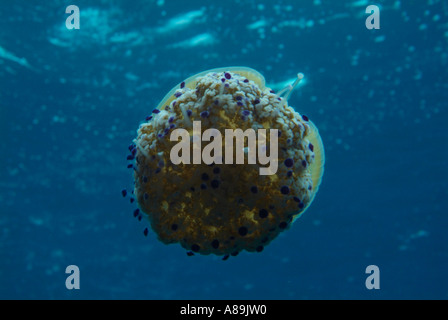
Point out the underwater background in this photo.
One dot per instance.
(72, 100)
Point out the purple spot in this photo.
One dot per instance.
(145, 232)
(139, 218)
(216, 102)
(311, 147)
(288, 141)
(272, 91)
(284, 190)
(254, 189)
(148, 118)
(279, 99)
(310, 187)
(174, 103)
(304, 117)
(205, 114)
(161, 163)
(238, 98)
(289, 174)
(227, 75)
(189, 253)
(131, 200)
(239, 103)
(215, 184)
(246, 112)
(263, 213)
(157, 170)
(130, 166)
(171, 119)
(301, 205)
(289, 162)
(136, 212)
(166, 131)
(304, 163)
(242, 231)
(296, 199)
(246, 80)
(182, 85)
(244, 118)
(145, 196)
(156, 111)
(226, 85)
(189, 112)
(160, 135)
(124, 193)
(172, 126)
(215, 244)
(133, 151)
(256, 101)
(130, 157)
(279, 133)
(178, 94)
(223, 80)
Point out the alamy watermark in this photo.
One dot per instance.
(373, 21)
(72, 21)
(212, 152)
(373, 280)
(73, 280)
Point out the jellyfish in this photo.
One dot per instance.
(220, 208)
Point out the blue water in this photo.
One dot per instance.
(71, 102)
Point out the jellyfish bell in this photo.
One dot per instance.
(220, 208)
(317, 166)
